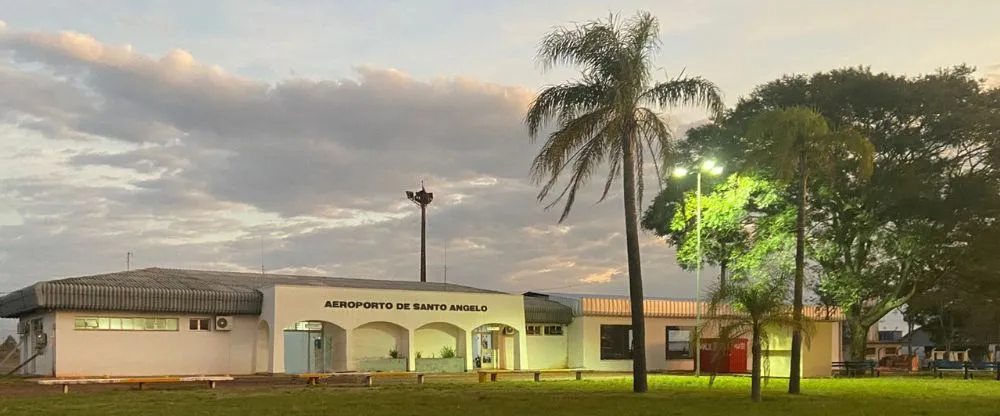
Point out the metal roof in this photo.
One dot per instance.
(620, 306)
(183, 291)
(539, 310)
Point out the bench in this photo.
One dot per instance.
(967, 368)
(855, 368)
(140, 381)
(537, 374)
(314, 378)
(578, 371)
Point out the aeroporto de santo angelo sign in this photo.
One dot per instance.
(341, 304)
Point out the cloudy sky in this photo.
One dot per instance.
(196, 133)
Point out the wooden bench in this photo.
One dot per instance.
(140, 381)
(578, 371)
(394, 374)
(367, 377)
(855, 368)
(537, 374)
(492, 374)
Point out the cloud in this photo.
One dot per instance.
(188, 165)
(993, 76)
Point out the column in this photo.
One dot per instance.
(350, 364)
(469, 341)
(411, 353)
(521, 349)
(277, 360)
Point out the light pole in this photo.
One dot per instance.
(422, 198)
(712, 168)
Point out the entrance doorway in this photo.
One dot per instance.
(494, 347)
(314, 347)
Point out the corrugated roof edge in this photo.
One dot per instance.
(182, 290)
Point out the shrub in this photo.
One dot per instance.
(447, 352)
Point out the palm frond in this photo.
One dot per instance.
(594, 45)
(656, 134)
(694, 92)
(564, 103)
(581, 149)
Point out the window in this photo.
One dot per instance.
(533, 329)
(553, 330)
(616, 342)
(124, 324)
(679, 343)
(199, 324)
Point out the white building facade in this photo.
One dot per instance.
(152, 322)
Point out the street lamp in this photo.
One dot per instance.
(707, 166)
(422, 198)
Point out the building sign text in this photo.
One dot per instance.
(404, 306)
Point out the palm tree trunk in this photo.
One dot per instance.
(755, 366)
(634, 267)
(795, 373)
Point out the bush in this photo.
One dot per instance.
(447, 352)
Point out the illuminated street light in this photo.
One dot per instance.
(712, 168)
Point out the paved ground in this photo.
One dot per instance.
(17, 386)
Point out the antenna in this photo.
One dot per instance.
(128, 261)
(261, 255)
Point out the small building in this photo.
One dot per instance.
(600, 338)
(187, 322)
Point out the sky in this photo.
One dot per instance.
(224, 135)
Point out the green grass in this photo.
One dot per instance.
(668, 396)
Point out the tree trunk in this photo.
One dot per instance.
(755, 366)
(634, 267)
(859, 340)
(909, 335)
(723, 265)
(795, 373)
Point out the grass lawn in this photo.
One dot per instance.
(668, 396)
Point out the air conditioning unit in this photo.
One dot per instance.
(223, 323)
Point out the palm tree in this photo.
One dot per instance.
(755, 305)
(607, 116)
(795, 141)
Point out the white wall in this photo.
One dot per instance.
(430, 339)
(376, 339)
(588, 328)
(816, 357)
(286, 305)
(548, 351)
(148, 353)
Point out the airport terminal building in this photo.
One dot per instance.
(187, 322)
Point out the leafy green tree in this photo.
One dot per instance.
(876, 243)
(608, 116)
(755, 304)
(738, 215)
(796, 142)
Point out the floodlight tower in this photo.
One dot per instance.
(422, 198)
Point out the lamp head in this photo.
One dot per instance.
(708, 165)
(409, 194)
(717, 170)
(680, 171)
